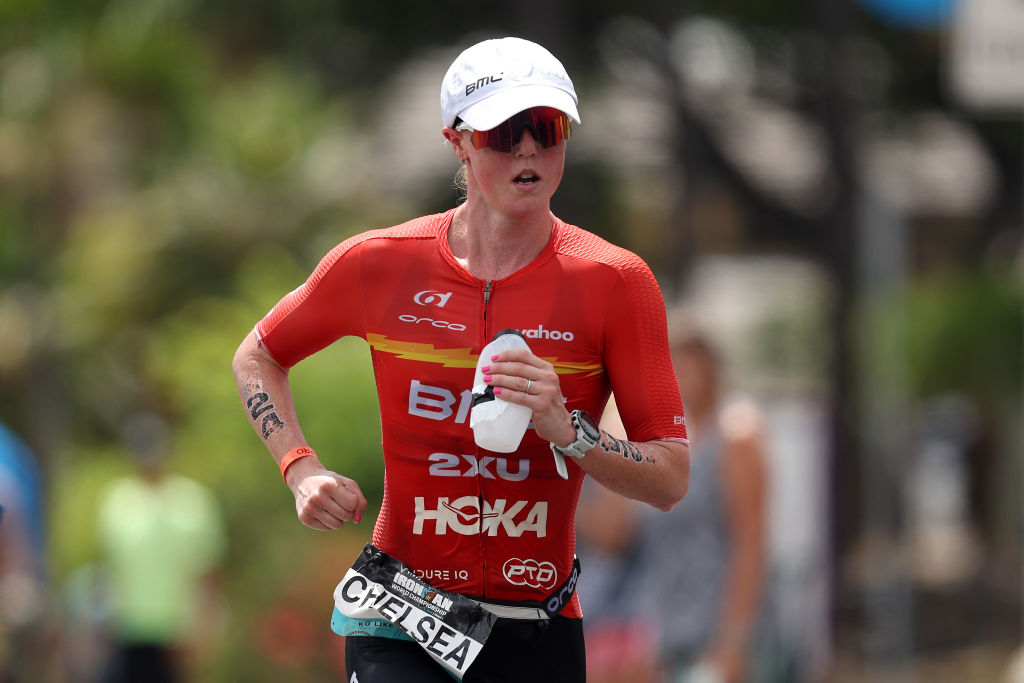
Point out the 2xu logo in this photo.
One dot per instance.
(449, 465)
(530, 573)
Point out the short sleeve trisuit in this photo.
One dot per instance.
(497, 526)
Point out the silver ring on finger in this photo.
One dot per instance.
(528, 383)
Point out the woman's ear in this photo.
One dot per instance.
(454, 138)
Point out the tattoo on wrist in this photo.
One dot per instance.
(627, 449)
(262, 411)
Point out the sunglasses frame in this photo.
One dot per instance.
(548, 131)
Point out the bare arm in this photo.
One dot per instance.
(743, 477)
(654, 472)
(323, 499)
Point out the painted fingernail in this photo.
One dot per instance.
(487, 378)
(494, 357)
(486, 368)
(497, 390)
(359, 517)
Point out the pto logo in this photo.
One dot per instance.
(431, 297)
(530, 573)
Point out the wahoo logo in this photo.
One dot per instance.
(540, 333)
(481, 82)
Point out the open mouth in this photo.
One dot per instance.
(526, 178)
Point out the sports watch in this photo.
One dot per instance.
(587, 435)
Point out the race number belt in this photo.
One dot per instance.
(452, 628)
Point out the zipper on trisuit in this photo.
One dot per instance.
(480, 495)
(487, 299)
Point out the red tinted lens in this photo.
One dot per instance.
(549, 127)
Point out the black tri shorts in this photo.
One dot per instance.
(517, 650)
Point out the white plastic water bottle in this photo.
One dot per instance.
(497, 424)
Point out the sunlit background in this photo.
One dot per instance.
(833, 188)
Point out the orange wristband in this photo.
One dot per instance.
(293, 455)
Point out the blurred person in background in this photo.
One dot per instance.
(693, 580)
(23, 564)
(490, 533)
(162, 540)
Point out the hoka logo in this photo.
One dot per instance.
(465, 516)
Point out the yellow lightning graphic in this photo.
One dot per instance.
(462, 357)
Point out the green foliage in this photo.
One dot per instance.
(964, 334)
(148, 198)
(74, 496)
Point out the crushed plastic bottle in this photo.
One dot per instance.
(497, 424)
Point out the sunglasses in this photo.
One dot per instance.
(549, 127)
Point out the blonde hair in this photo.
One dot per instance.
(461, 182)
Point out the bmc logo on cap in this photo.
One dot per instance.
(481, 82)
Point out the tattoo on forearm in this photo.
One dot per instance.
(261, 409)
(627, 449)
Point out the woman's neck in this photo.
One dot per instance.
(491, 247)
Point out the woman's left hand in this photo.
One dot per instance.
(520, 377)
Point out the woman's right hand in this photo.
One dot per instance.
(324, 500)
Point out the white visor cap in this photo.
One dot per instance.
(495, 79)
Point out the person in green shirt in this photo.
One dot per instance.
(162, 539)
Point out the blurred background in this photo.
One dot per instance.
(833, 188)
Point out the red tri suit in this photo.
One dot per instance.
(498, 526)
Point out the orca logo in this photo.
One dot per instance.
(430, 297)
(557, 602)
(443, 324)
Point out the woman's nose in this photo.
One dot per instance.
(527, 144)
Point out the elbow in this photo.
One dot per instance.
(242, 354)
(677, 485)
(248, 357)
(673, 494)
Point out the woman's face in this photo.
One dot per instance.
(514, 184)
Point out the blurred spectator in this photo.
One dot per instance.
(683, 590)
(86, 645)
(23, 563)
(161, 538)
